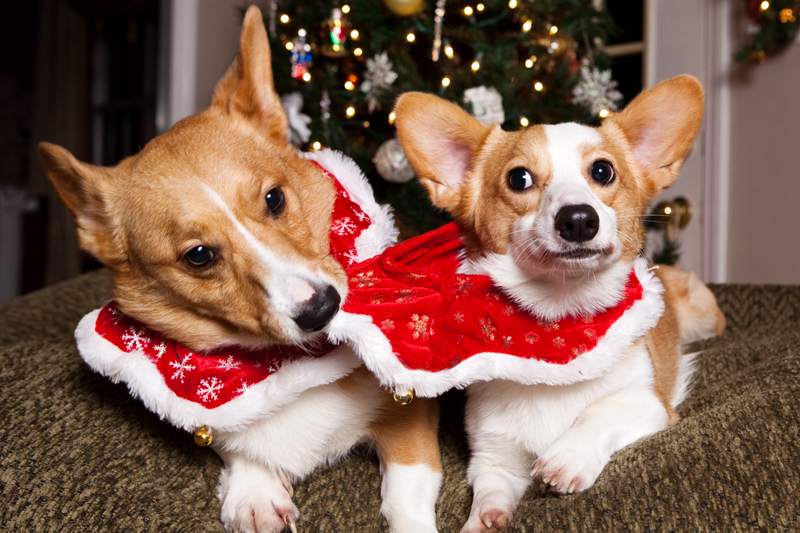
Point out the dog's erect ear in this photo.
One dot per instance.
(440, 140)
(247, 88)
(84, 189)
(661, 124)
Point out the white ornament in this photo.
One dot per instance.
(486, 103)
(392, 163)
(379, 76)
(298, 131)
(597, 90)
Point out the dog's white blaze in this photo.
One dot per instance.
(283, 295)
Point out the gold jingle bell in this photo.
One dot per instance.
(203, 437)
(403, 397)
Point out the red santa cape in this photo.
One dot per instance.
(420, 325)
(233, 386)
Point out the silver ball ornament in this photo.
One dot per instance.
(392, 163)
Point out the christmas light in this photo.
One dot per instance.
(316, 145)
(764, 5)
(553, 30)
(528, 63)
(512, 4)
(350, 111)
(527, 26)
(357, 52)
(475, 65)
(603, 113)
(345, 9)
(289, 45)
(787, 16)
(445, 82)
(306, 77)
(524, 122)
(284, 18)
(538, 86)
(468, 11)
(448, 51)
(410, 37)
(349, 85)
(392, 116)
(366, 123)
(480, 7)
(354, 34)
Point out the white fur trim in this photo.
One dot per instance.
(146, 383)
(382, 233)
(374, 348)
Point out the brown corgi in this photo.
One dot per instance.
(553, 214)
(218, 237)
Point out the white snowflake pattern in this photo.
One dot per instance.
(244, 388)
(160, 350)
(115, 314)
(343, 226)
(209, 389)
(135, 339)
(351, 256)
(597, 90)
(230, 364)
(182, 368)
(362, 216)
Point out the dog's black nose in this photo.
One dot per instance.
(577, 222)
(319, 310)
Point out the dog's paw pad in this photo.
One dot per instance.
(490, 519)
(261, 513)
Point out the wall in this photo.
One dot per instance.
(221, 19)
(764, 228)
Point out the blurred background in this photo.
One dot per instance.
(102, 77)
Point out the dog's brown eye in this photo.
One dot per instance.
(603, 172)
(520, 179)
(275, 201)
(199, 256)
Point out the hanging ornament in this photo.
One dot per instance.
(336, 27)
(437, 29)
(325, 115)
(298, 131)
(379, 76)
(404, 8)
(273, 14)
(486, 104)
(301, 55)
(392, 163)
(597, 91)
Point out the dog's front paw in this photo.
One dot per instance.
(564, 471)
(256, 501)
(489, 516)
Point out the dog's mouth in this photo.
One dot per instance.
(577, 254)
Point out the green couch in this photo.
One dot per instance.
(79, 454)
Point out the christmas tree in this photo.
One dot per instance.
(509, 62)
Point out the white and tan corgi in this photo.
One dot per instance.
(553, 214)
(217, 235)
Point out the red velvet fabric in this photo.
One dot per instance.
(436, 318)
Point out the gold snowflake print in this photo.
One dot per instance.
(420, 327)
(579, 350)
(406, 295)
(590, 334)
(587, 320)
(508, 310)
(507, 341)
(377, 299)
(387, 325)
(365, 279)
(558, 342)
(414, 277)
(549, 326)
(458, 316)
(487, 328)
(464, 286)
(531, 337)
